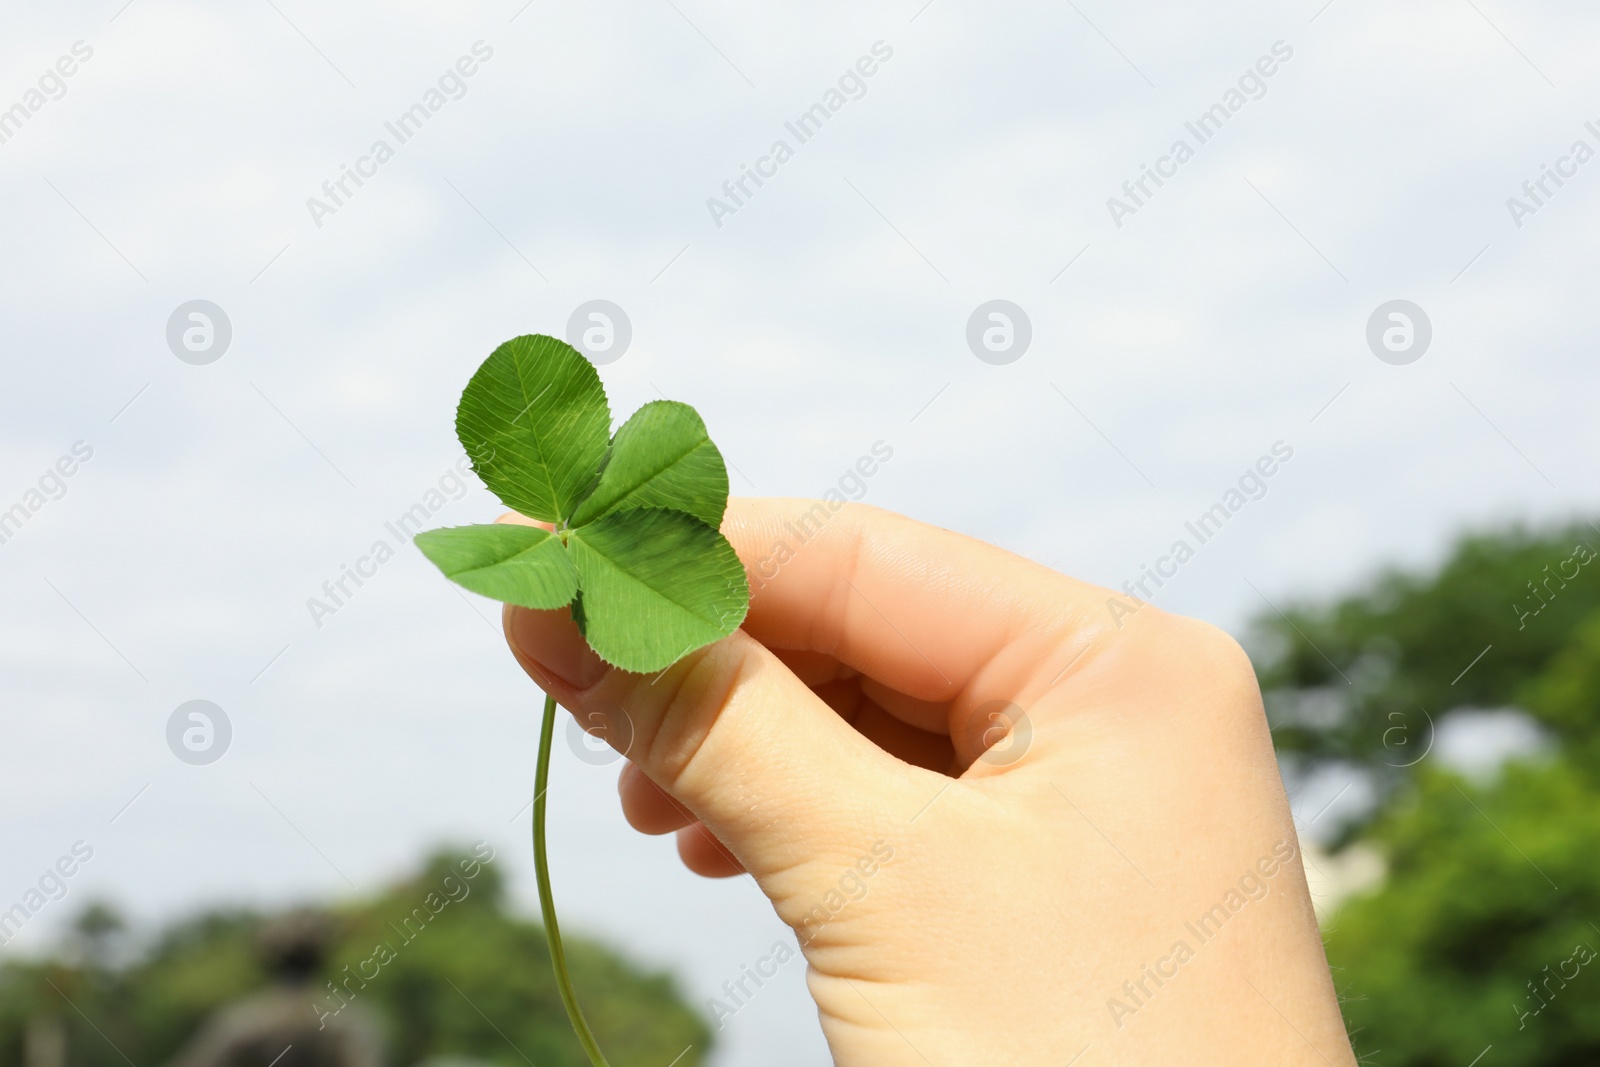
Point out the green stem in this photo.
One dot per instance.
(547, 904)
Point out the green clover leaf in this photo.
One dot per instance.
(664, 566)
(517, 564)
(636, 550)
(534, 422)
(661, 458)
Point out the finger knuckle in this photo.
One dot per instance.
(698, 689)
(1222, 665)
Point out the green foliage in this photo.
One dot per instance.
(1346, 681)
(1491, 888)
(635, 549)
(1566, 698)
(1486, 929)
(462, 978)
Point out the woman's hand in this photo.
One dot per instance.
(1008, 823)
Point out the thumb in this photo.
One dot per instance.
(735, 737)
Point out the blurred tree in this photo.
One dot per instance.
(1485, 932)
(437, 959)
(1566, 698)
(1359, 679)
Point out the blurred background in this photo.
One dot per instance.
(1087, 270)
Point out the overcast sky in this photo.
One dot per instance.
(1175, 340)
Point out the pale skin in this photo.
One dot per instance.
(1044, 868)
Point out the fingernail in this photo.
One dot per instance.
(551, 641)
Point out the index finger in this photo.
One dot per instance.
(922, 610)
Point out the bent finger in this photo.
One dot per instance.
(647, 807)
(733, 735)
(705, 855)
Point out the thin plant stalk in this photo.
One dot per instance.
(547, 904)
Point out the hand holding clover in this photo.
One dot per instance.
(635, 548)
(1031, 908)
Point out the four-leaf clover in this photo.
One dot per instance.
(634, 546)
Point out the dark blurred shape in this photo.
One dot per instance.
(97, 931)
(295, 946)
(434, 969)
(274, 1028)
